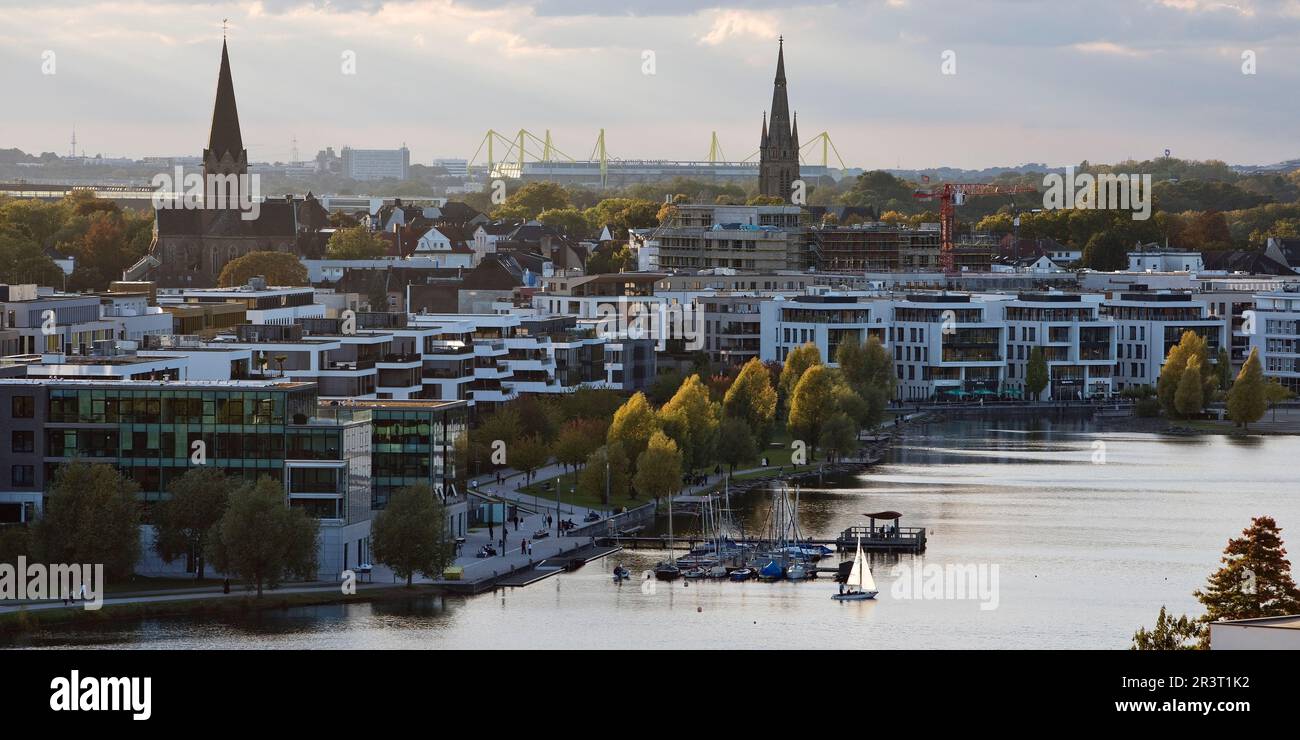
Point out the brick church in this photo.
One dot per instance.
(192, 245)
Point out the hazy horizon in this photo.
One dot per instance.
(1043, 82)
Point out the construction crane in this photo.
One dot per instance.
(952, 194)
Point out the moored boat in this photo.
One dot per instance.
(695, 573)
(742, 574)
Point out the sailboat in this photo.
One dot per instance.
(668, 570)
(860, 586)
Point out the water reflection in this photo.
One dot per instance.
(1087, 551)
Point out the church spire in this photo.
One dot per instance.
(779, 150)
(225, 139)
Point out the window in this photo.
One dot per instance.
(23, 442)
(24, 407)
(23, 476)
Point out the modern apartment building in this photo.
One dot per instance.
(1078, 345)
(1276, 336)
(1148, 324)
(376, 164)
(826, 320)
(947, 345)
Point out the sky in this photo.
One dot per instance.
(1053, 81)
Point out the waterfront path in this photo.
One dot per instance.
(184, 594)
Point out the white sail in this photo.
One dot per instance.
(860, 576)
(867, 582)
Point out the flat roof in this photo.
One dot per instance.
(1289, 622)
(170, 384)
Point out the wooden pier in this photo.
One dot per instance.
(877, 539)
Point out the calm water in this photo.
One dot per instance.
(1085, 553)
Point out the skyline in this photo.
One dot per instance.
(1130, 69)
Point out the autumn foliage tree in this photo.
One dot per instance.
(279, 268)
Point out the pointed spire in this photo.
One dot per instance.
(225, 137)
(763, 140)
(780, 128)
(780, 61)
(794, 130)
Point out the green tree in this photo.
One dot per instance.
(411, 536)
(197, 500)
(1255, 580)
(839, 436)
(691, 418)
(659, 467)
(1182, 633)
(1223, 369)
(263, 541)
(15, 540)
(356, 243)
(796, 363)
(23, 261)
(91, 516)
(1248, 399)
(752, 399)
(279, 268)
(567, 221)
(593, 478)
(529, 201)
(868, 368)
(1036, 374)
(812, 404)
(736, 442)
(527, 455)
(633, 425)
(577, 441)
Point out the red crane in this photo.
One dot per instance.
(951, 195)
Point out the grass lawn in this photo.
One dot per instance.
(567, 482)
(145, 583)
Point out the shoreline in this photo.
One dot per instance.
(22, 621)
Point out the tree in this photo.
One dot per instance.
(1190, 396)
(659, 468)
(279, 268)
(356, 243)
(594, 477)
(752, 399)
(1255, 580)
(1223, 369)
(567, 221)
(796, 363)
(1183, 633)
(633, 425)
(261, 540)
(527, 455)
(23, 261)
(530, 200)
(868, 369)
(577, 441)
(1190, 345)
(1248, 399)
(736, 442)
(410, 535)
(91, 516)
(197, 501)
(839, 436)
(15, 541)
(1036, 374)
(811, 405)
(691, 418)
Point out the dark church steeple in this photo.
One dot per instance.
(225, 154)
(779, 149)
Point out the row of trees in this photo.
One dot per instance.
(1189, 382)
(1254, 581)
(241, 528)
(103, 238)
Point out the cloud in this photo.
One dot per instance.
(729, 24)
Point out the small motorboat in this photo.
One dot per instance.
(667, 571)
(742, 574)
(695, 573)
(621, 574)
(796, 572)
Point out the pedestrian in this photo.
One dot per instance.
(490, 534)
(516, 522)
(523, 546)
(225, 586)
(83, 592)
(530, 549)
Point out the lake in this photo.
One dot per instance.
(1089, 532)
